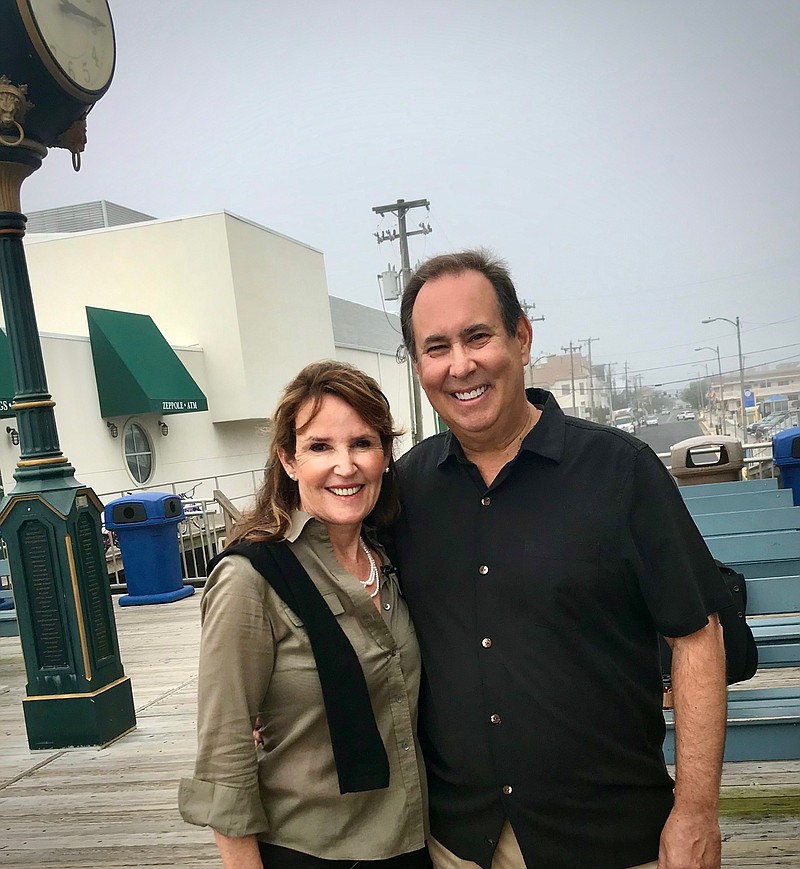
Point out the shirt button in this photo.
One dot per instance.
(406, 746)
(495, 719)
(399, 698)
(483, 570)
(507, 789)
(393, 652)
(486, 642)
(486, 501)
(387, 606)
(490, 841)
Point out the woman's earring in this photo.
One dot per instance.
(386, 470)
(292, 476)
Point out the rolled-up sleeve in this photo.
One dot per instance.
(236, 661)
(677, 574)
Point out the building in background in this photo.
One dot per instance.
(559, 373)
(773, 388)
(167, 343)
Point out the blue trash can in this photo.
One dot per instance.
(146, 529)
(786, 455)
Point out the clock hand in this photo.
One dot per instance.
(72, 9)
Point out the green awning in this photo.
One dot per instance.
(135, 368)
(6, 378)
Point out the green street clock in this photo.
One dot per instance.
(56, 61)
(64, 52)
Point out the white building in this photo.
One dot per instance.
(167, 343)
(561, 374)
(767, 390)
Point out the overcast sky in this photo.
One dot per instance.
(634, 161)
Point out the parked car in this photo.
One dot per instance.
(768, 427)
(689, 415)
(768, 422)
(681, 416)
(651, 420)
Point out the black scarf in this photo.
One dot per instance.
(361, 760)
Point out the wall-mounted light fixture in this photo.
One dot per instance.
(113, 430)
(13, 435)
(164, 428)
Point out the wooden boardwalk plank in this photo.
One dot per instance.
(117, 807)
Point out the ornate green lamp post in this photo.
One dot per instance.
(56, 61)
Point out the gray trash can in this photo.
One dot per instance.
(146, 528)
(707, 459)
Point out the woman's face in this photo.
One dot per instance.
(338, 463)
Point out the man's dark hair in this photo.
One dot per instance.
(480, 260)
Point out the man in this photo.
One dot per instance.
(540, 555)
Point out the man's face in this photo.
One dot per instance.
(471, 370)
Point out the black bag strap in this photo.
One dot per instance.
(361, 760)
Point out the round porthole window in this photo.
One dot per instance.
(138, 452)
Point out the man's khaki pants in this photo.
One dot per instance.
(507, 855)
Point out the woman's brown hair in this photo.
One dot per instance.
(278, 496)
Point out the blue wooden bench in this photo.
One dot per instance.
(754, 527)
(763, 724)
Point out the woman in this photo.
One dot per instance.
(338, 777)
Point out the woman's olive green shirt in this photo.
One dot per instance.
(256, 660)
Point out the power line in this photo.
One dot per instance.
(729, 356)
(724, 373)
(690, 343)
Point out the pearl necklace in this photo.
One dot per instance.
(374, 574)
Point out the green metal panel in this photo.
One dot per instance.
(6, 378)
(135, 368)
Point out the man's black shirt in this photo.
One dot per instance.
(537, 601)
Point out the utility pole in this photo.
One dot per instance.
(527, 307)
(571, 349)
(637, 388)
(627, 395)
(401, 209)
(610, 374)
(588, 341)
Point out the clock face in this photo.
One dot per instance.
(78, 37)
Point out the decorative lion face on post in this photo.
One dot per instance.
(13, 106)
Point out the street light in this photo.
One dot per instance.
(533, 362)
(721, 412)
(738, 326)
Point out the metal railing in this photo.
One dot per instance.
(239, 486)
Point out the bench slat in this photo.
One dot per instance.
(766, 546)
(748, 521)
(736, 487)
(773, 594)
(759, 500)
